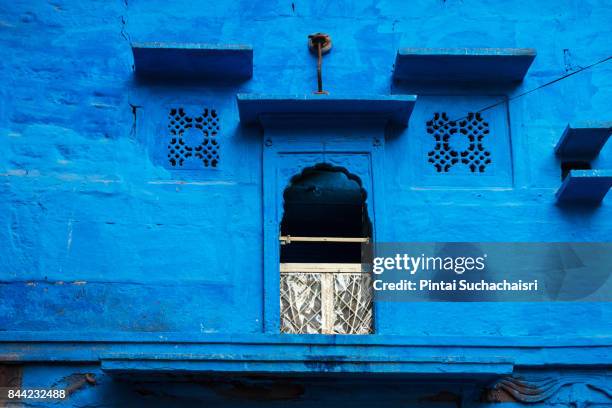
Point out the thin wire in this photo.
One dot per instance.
(538, 87)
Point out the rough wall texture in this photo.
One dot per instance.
(98, 236)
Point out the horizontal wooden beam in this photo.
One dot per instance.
(322, 268)
(287, 239)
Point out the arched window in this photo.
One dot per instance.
(324, 288)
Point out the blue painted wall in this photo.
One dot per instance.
(98, 235)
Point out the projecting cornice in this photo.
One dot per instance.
(490, 65)
(317, 109)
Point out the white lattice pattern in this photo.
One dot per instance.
(300, 303)
(352, 304)
(329, 303)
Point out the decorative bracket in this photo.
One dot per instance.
(539, 389)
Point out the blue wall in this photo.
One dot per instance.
(98, 235)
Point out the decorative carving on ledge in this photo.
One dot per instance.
(539, 389)
(10, 376)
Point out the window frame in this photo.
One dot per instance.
(288, 152)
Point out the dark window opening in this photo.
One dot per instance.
(324, 202)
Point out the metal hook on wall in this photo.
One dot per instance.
(319, 44)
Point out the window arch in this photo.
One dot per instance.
(324, 288)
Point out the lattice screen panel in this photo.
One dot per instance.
(352, 303)
(202, 129)
(459, 142)
(301, 303)
(329, 303)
